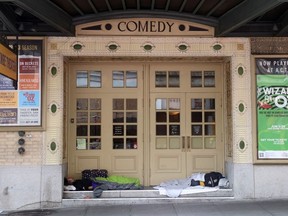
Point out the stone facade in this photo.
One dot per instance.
(43, 185)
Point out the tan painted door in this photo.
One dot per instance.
(204, 148)
(186, 120)
(106, 119)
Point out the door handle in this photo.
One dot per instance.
(188, 143)
(183, 144)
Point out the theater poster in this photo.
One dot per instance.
(272, 107)
(20, 99)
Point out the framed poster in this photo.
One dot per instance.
(272, 107)
(20, 99)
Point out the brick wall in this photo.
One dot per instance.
(9, 155)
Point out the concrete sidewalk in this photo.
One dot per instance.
(192, 208)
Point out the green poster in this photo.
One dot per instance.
(272, 108)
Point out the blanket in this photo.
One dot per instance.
(115, 183)
(173, 193)
(174, 188)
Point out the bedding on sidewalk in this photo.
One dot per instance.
(177, 187)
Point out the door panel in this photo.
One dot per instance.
(166, 131)
(185, 120)
(106, 119)
(85, 140)
(201, 163)
(204, 132)
(126, 135)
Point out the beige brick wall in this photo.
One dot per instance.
(237, 49)
(9, 155)
(37, 143)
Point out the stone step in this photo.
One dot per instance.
(131, 197)
(145, 194)
(133, 201)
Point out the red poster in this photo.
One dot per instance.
(29, 65)
(29, 82)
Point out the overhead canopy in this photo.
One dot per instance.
(230, 18)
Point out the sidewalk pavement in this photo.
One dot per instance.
(191, 208)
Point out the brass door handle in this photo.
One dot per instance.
(183, 143)
(188, 143)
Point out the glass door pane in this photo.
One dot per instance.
(125, 127)
(88, 123)
(203, 123)
(167, 123)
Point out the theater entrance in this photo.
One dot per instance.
(155, 121)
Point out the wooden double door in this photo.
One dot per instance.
(154, 121)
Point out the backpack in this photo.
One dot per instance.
(212, 179)
(88, 174)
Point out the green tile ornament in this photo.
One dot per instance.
(53, 71)
(240, 70)
(53, 108)
(53, 146)
(242, 145)
(217, 47)
(241, 107)
(77, 47)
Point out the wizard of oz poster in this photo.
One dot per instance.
(272, 107)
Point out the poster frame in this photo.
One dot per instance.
(256, 159)
(41, 94)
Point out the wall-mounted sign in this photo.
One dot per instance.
(7, 83)
(20, 105)
(8, 62)
(144, 26)
(118, 130)
(272, 107)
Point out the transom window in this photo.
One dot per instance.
(202, 79)
(88, 79)
(125, 79)
(166, 79)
